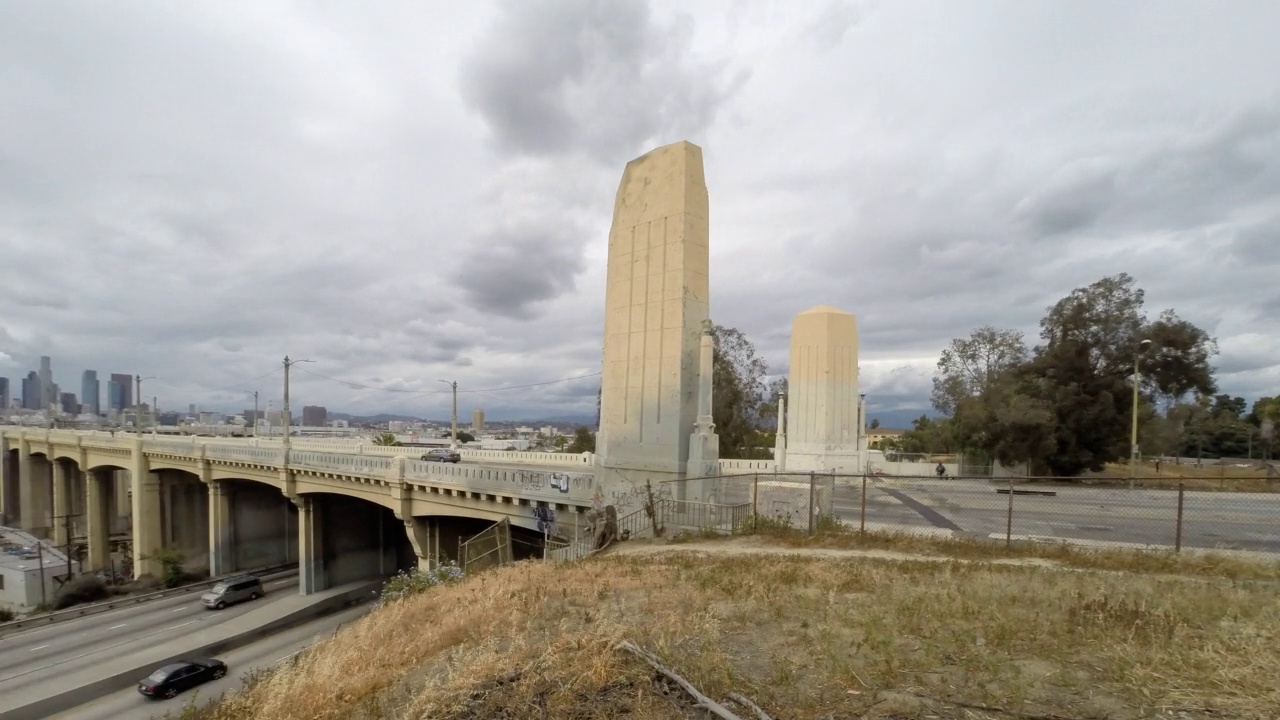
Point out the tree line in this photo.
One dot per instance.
(1065, 406)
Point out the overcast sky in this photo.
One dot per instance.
(410, 191)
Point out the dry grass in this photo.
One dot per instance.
(810, 635)
(1249, 477)
(1232, 565)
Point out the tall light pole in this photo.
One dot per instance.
(137, 403)
(287, 364)
(1133, 437)
(454, 384)
(255, 413)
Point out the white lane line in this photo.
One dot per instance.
(40, 647)
(175, 627)
(179, 609)
(113, 627)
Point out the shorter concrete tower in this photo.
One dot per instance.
(823, 422)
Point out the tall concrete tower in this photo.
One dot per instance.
(824, 418)
(655, 303)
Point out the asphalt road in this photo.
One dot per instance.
(1239, 521)
(54, 650)
(127, 704)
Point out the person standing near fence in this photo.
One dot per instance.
(940, 470)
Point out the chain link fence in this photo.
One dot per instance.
(487, 549)
(1145, 512)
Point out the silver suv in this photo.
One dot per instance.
(232, 590)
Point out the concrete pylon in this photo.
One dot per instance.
(221, 529)
(704, 444)
(147, 529)
(656, 300)
(97, 508)
(822, 423)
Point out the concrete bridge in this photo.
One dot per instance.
(341, 510)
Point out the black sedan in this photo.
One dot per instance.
(168, 681)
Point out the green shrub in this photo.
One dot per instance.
(406, 584)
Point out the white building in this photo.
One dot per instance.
(20, 574)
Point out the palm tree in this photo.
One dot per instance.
(388, 439)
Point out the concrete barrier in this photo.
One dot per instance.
(77, 611)
(137, 668)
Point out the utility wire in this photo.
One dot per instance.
(361, 386)
(228, 388)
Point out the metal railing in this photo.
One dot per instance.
(1158, 513)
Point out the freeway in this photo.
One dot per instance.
(127, 704)
(1239, 521)
(52, 651)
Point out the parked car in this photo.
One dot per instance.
(171, 679)
(443, 455)
(233, 590)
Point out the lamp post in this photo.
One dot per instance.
(287, 419)
(1133, 437)
(137, 404)
(454, 384)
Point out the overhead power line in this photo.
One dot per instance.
(362, 386)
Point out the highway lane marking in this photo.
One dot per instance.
(179, 609)
(40, 647)
(113, 627)
(175, 627)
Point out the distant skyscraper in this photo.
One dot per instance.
(124, 394)
(115, 395)
(47, 396)
(31, 391)
(477, 421)
(69, 404)
(314, 416)
(4, 395)
(90, 393)
(191, 409)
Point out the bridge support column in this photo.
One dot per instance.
(310, 548)
(221, 530)
(425, 545)
(8, 481)
(28, 505)
(97, 506)
(146, 515)
(61, 501)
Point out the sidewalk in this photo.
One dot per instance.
(44, 698)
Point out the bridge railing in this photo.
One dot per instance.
(359, 464)
(265, 456)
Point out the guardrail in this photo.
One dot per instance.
(71, 613)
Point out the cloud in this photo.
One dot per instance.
(608, 79)
(425, 192)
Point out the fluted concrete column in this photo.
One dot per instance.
(97, 508)
(310, 548)
(221, 530)
(61, 501)
(27, 504)
(146, 514)
(8, 480)
(420, 536)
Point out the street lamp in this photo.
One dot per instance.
(137, 404)
(454, 384)
(1133, 437)
(287, 419)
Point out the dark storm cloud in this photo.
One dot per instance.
(602, 77)
(516, 268)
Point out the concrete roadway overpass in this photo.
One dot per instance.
(341, 511)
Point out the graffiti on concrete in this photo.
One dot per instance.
(546, 518)
(535, 480)
(635, 496)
